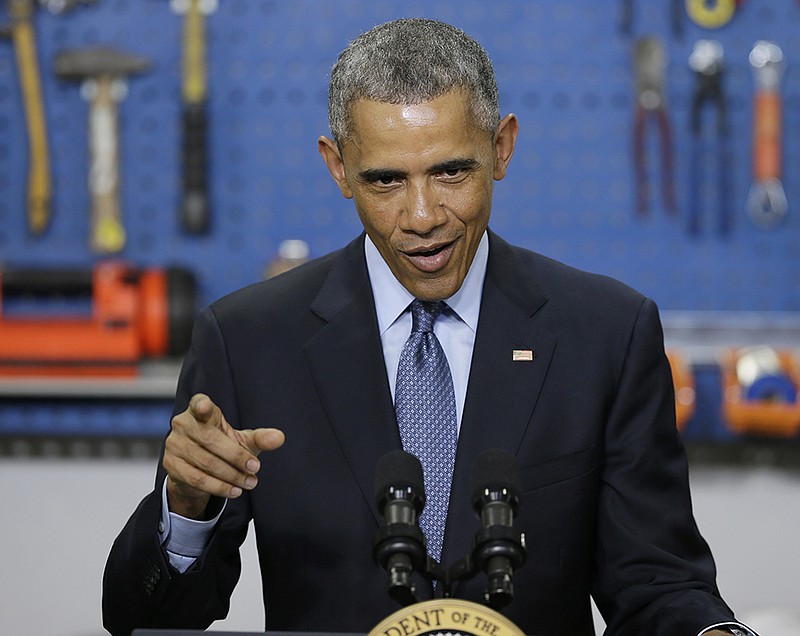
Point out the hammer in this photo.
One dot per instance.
(102, 72)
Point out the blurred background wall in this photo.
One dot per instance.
(77, 453)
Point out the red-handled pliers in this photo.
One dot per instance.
(650, 61)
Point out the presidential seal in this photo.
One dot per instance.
(446, 617)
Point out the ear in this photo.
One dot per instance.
(333, 159)
(504, 141)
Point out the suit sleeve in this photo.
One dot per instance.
(655, 573)
(140, 588)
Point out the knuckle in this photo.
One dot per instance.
(206, 435)
(196, 480)
(178, 423)
(204, 463)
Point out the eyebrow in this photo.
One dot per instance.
(372, 175)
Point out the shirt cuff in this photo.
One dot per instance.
(737, 629)
(184, 539)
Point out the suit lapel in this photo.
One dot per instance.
(502, 392)
(347, 364)
(346, 361)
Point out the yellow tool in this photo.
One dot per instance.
(195, 211)
(39, 186)
(711, 14)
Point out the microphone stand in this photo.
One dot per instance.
(493, 548)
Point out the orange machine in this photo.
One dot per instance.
(760, 391)
(134, 313)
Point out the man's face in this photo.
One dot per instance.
(421, 179)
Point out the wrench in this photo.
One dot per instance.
(766, 203)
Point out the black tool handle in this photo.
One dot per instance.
(195, 209)
(69, 282)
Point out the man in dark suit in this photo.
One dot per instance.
(564, 369)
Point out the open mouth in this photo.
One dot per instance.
(432, 252)
(430, 259)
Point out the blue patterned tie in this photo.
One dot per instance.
(425, 405)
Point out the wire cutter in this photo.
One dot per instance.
(650, 61)
(706, 61)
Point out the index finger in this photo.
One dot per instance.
(203, 409)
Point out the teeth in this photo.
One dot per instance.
(430, 252)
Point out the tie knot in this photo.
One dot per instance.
(424, 314)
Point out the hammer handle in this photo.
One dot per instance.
(195, 209)
(195, 214)
(107, 235)
(38, 193)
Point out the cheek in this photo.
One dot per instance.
(471, 206)
(377, 220)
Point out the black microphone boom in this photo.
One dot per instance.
(499, 549)
(400, 545)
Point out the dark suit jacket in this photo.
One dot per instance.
(605, 500)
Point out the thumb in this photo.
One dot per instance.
(261, 439)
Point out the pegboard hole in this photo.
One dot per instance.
(266, 96)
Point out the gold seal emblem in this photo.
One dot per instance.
(446, 617)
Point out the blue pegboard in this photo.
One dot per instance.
(563, 67)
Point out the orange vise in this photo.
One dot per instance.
(132, 313)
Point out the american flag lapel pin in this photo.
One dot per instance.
(522, 355)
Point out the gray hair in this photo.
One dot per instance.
(411, 61)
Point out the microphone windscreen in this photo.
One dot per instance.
(495, 470)
(398, 469)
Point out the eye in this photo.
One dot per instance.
(453, 174)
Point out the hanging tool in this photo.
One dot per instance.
(650, 62)
(706, 61)
(39, 180)
(767, 203)
(195, 210)
(130, 313)
(711, 14)
(102, 72)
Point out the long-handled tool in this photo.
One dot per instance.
(195, 212)
(706, 61)
(767, 203)
(102, 72)
(39, 181)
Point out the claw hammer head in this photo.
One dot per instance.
(81, 64)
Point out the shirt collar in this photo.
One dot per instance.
(392, 299)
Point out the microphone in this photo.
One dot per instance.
(400, 545)
(499, 549)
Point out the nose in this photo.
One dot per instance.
(423, 210)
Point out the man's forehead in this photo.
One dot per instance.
(456, 101)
